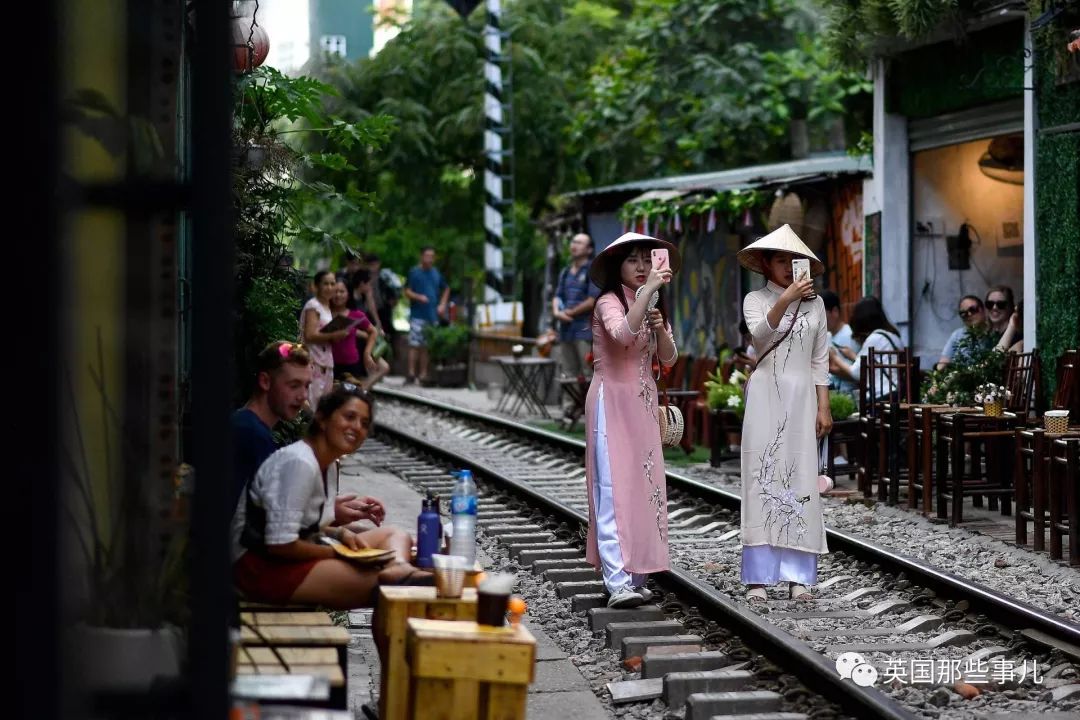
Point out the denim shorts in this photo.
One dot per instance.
(416, 332)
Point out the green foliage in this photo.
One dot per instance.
(729, 205)
(447, 344)
(841, 405)
(976, 363)
(706, 84)
(854, 29)
(602, 90)
(721, 396)
(277, 203)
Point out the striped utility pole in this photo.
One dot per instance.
(498, 136)
(498, 166)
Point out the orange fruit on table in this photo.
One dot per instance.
(517, 606)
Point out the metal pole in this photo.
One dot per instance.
(498, 134)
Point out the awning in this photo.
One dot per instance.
(744, 178)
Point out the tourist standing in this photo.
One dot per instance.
(624, 461)
(787, 413)
(429, 294)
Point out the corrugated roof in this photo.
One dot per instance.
(747, 177)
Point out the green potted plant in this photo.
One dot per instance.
(957, 383)
(724, 398)
(127, 586)
(448, 351)
(841, 405)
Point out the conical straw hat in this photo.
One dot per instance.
(601, 264)
(782, 239)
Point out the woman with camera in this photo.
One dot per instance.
(624, 460)
(787, 414)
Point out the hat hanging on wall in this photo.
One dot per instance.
(787, 209)
(1004, 159)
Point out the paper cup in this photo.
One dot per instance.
(449, 575)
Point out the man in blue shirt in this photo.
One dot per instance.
(282, 377)
(572, 306)
(425, 287)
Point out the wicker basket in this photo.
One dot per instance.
(993, 409)
(671, 425)
(1057, 423)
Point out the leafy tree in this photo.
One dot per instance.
(274, 200)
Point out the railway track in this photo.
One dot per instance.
(881, 610)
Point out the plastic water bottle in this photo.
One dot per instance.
(428, 531)
(463, 514)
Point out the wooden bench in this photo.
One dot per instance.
(397, 604)
(291, 631)
(464, 671)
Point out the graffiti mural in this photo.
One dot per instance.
(844, 251)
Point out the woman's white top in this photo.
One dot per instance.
(289, 487)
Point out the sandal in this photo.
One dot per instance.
(757, 595)
(799, 592)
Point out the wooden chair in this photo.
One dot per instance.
(1067, 380)
(894, 375)
(1064, 510)
(955, 479)
(1032, 456)
(1021, 372)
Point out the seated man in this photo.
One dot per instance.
(283, 374)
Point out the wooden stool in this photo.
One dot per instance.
(298, 661)
(465, 671)
(287, 631)
(396, 605)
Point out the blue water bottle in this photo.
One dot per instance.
(463, 514)
(428, 531)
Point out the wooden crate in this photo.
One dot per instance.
(462, 670)
(396, 605)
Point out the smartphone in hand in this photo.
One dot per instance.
(800, 270)
(660, 258)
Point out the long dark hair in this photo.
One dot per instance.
(614, 277)
(868, 316)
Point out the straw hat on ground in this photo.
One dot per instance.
(602, 264)
(783, 239)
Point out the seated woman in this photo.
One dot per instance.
(1012, 339)
(870, 327)
(973, 314)
(285, 510)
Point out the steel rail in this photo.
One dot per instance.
(813, 668)
(996, 605)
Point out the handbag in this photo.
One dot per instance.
(671, 422)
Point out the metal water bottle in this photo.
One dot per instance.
(428, 530)
(463, 514)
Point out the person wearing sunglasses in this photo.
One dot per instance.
(973, 314)
(1012, 340)
(1000, 304)
(278, 529)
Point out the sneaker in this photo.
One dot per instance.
(645, 593)
(625, 598)
(409, 380)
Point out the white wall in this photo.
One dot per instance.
(948, 189)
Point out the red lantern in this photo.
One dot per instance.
(248, 57)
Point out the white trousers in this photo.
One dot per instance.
(607, 534)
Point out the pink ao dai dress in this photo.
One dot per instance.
(624, 461)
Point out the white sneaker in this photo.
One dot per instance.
(645, 593)
(625, 598)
